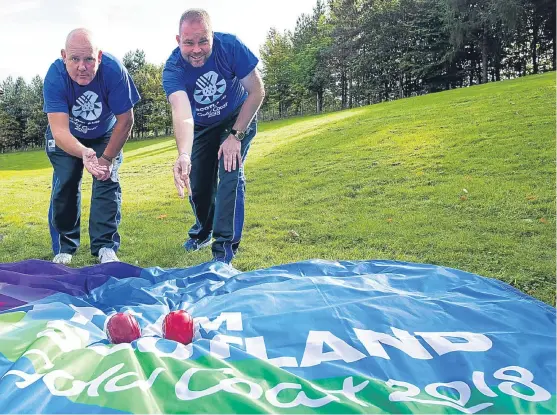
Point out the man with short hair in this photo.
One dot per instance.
(215, 90)
(89, 98)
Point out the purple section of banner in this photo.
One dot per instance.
(31, 280)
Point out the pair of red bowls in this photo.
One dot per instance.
(124, 328)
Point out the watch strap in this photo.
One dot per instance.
(109, 159)
(238, 135)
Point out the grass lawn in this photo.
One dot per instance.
(463, 179)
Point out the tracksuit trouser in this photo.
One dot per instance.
(217, 195)
(64, 214)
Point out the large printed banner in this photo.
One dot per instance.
(308, 337)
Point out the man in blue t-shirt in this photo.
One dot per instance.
(215, 90)
(89, 98)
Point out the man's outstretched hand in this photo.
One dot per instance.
(108, 164)
(91, 163)
(182, 169)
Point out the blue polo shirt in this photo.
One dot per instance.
(214, 90)
(91, 108)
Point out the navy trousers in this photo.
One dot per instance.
(64, 214)
(217, 195)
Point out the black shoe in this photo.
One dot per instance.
(192, 244)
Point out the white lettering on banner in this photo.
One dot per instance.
(479, 382)
(255, 391)
(461, 387)
(301, 398)
(78, 386)
(256, 347)
(403, 341)
(349, 390)
(70, 337)
(464, 392)
(441, 343)
(526, 377)
(219, 345)
(314, 355)
(50, 381)
(409, 395)
(233, 322)
(184, 393)
(144, 385)
(95, 384)
(28, 378)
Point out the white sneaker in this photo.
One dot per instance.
(62, 259)
(107, 255)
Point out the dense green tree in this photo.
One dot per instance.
(134, 60)
(276, 55)
(36, 119)
(14, 104)
(153, 115)
(483, 24)
(10, 132)
(311, 42)
(344, 53)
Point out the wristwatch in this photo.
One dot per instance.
(239, 135)
(107, 158)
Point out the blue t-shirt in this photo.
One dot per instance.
(214, 90)
(91, 108)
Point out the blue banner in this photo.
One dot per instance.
(314, 336)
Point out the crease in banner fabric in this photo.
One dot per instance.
(308, 337)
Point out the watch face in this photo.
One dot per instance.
(238, 134)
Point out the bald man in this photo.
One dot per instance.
(89, 98)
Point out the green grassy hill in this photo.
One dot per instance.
(463, 178)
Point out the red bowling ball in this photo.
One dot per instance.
(178, 326)
(122, 328)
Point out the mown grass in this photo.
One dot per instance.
(463, 178)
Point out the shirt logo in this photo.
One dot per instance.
(87, 107)
(209, 88)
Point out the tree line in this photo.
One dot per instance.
(349, 53)
(345, 54)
